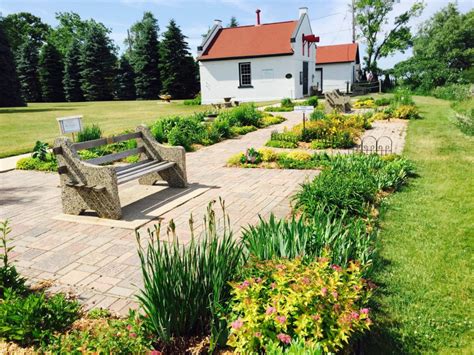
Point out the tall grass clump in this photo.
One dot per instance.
(89, 133)
(186, 286)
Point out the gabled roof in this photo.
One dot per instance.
(339, 53)
(251, 41)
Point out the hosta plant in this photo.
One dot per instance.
(286, 301)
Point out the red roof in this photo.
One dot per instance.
(338, 53)
(251, 41)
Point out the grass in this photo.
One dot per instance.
(425, 299)
(21, 127)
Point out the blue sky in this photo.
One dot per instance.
(331, 19)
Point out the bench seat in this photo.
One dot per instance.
(137, 170)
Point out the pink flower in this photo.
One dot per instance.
(324, 291)
(258, 334)
(237, 324)
(270, 310)
(129, 327)
(336, 267)
(280, 267)
(258, 280)
(284, 338)
(154, 352)
(354, 315)
(316, 317)
(244, 285)
(334, 294)
(273, 285)
(368, 321)
(305, 280)
(281, 319)
(133, 335)
(364, 311)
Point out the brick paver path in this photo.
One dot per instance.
(100, 264)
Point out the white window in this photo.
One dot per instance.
(245, 75)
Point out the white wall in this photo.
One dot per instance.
(220, 78)
(336, 75)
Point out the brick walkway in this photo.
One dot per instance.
(100, 264)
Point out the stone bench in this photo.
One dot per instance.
(335, 100)
(90, 185)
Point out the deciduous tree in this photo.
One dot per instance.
(24, 27)
(372, 17)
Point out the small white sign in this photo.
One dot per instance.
(304, 109)
(71, 124)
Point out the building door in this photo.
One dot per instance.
(305, 78)
(319, 79)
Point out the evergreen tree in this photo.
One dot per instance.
(10, 95)
(51, 74)
(27, 68)
(178, 69)
(145, 57)
(97, 63)
(125, 80)
(233, 22)
(72, 73)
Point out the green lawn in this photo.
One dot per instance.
(425, 299)
(21, 127)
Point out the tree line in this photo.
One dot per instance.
(78, 61)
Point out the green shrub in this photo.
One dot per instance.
(287, 162)
(33, 319)
(193, 102)
(89, 133)
(278, 109)
(87, 154)
(452, 92)
(268, 155)
(50, 164)
(285, 136)
(179, 131)
(9, 277)
(281, 301)
(311, 101)
(407, 112)
(299, 155)
(185, 284)
(286, 102)
(242, 130)
(383, 101)
(317, 115)
(247, 115)
(280, 144)
(40, 151)
(236, 159)
(402, 97)
(251, 156)
(269, 120)
(100, 334)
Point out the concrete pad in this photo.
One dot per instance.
(7, 164)
(141, 204)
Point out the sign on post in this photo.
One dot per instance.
(304, 109)
(71, 124)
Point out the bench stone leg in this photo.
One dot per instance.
(105, 203)
(171, 176)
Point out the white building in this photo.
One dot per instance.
(258, 62)
(337, 67)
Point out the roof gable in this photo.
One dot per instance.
(251, 41)
(339, 53)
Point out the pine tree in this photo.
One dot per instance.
(10, 95)
(97, 63)
(233, 22)
(27, 68)
(177, 67)
(125, 80)
(145, 57)
(51, 74)
(72, 73)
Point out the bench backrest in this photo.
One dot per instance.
(109, 158)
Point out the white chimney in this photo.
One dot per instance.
(218, 23)
(303, 11)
